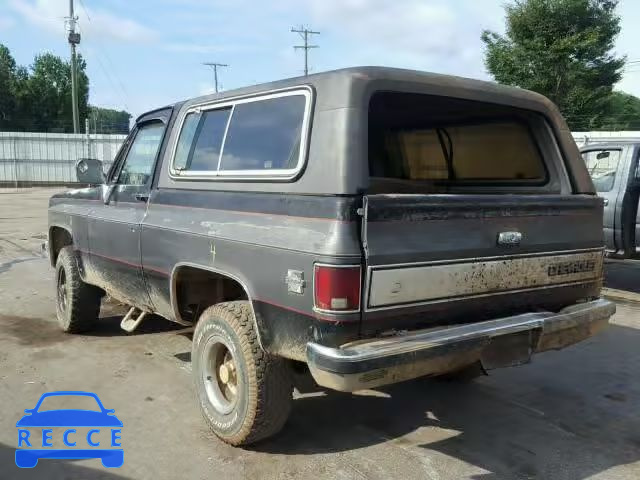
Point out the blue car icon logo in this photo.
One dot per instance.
(32, 446)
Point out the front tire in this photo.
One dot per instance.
(245, 394)
(77, 302)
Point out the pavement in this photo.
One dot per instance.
(623, 275)
(573, 414)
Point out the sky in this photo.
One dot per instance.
(142, 54)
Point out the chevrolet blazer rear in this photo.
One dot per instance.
(366, 226)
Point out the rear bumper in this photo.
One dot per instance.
(496, 343)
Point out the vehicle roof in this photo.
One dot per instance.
(341, 96)
(614, 144)
(341, 88)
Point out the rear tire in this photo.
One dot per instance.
(245, 394)
(77, 302)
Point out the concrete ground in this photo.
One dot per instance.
(572, 415)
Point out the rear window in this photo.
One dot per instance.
(420, 143)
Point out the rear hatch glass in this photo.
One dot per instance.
(426, 143)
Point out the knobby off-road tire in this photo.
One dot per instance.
(77, 303)
(225, 352)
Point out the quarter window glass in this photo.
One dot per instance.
(200, 140)
(264, 135)
(138, 166)
(603, 166)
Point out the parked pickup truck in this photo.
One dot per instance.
(616, 176)
(366, 226)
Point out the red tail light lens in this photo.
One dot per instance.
(337, 288)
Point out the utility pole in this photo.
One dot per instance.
(304, 33)
(215, 66)
(74, 39)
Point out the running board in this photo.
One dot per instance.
(132, 319)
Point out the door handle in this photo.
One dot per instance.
(606, 202)
(142, 197)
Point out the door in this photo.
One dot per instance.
(605, 166)
(114, 229)
(635, 183)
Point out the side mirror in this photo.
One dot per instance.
(89, 170)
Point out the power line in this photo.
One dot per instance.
(112, 77)
(215, 66)
(304, 33)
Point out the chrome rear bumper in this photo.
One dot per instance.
(496, 343)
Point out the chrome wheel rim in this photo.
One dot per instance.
(220, 375)
(62, 290)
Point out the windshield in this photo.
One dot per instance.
(603, 167)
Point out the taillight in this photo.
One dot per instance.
(337, 288)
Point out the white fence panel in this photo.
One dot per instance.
(50, 158)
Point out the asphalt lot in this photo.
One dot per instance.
(623, 275)
(573, 414)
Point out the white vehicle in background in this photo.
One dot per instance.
(616, 176)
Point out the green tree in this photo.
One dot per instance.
(7, 86)
(48, 87)
(39, 98)
(563, 50)
(106, 120)
(624, 112)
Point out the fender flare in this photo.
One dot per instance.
(173, 294)
(50, 243)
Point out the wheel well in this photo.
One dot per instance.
(58, 239)
(195, 289)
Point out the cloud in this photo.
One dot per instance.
(417, 26)
(437, 35)
(96, 23)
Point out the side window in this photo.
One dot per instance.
(264, 135)
(138, 165)
(603, 167)
(200, 140)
